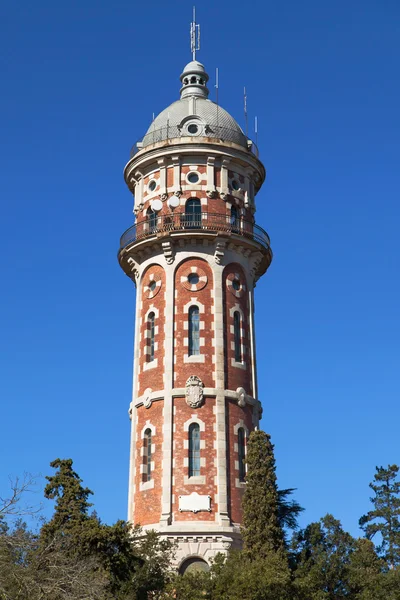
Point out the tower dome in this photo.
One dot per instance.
(194, 114)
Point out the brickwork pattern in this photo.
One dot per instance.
(236, 375)
(182, 415)
(151, 372)
(148, 500)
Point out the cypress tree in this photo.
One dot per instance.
(262, 532)
(384, 519)
(72, 505)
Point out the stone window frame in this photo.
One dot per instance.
(240, 425)
(147, 485)
(195, 287)
(239, 365)
(197, 358)
(229, 284)
(147, 292)
(200, 479)
(146, 349)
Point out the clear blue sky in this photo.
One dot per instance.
(79, 83)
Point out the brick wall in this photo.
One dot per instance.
(152, 301)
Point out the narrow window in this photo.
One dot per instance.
(237, 337)
(151, 329)
(194, 331)
(147, 455)
(241, 454)
(193, 213)
(152, 218)
(234, 218)
(194, 450)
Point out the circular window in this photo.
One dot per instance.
(152, 185)
(152, 285)
(236, 285)
(193, 177)
(193, 128)
(193, 279)
(235, 184)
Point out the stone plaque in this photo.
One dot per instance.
(194, 502)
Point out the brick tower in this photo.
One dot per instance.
(194, 254)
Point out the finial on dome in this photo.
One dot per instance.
(194, 80)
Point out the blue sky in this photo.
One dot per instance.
(79, 84)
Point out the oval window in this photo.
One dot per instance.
(193, 128)
(152, 285)
(193, 177)
(236, 285)
(235, 184)
(152, 185)
(193, 279)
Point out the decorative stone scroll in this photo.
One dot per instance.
(241, 397)
(195, 503)
(194, 391)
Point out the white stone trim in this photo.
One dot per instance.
(152, 364)
(194, 358)
(197, 480)
(194, 419)
(146, 485)
(194, 302)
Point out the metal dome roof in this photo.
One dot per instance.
(194, 115)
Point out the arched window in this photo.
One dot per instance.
(194, 331)
(147, 455)
(241, 454)
(194, 450)
(193, 213)
(237, 336)
(151, 328)
(234, 218)
(152, 219)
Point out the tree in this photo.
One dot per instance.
(72, 505)
(262, 531)
(384, 519)
(288, 510)
(320, 560)
(240, 577)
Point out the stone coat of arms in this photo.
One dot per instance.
(194, 391)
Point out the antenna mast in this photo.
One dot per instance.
(245, 111)
(194, 35)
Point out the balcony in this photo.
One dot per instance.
(174, 223)
(171, 132)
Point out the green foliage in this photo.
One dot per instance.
(262, 531)
(384, 519)
(72, 506)
(242, 578)
(320, 560)
(288, 510)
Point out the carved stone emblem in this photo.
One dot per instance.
(194, 391)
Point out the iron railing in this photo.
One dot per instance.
(204, 221)
(170, 132)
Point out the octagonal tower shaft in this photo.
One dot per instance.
(194, 254)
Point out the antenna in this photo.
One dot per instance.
(245, 111)
(194, 35)
(216, 92)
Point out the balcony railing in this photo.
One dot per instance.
(174, 222)
(171, 132)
